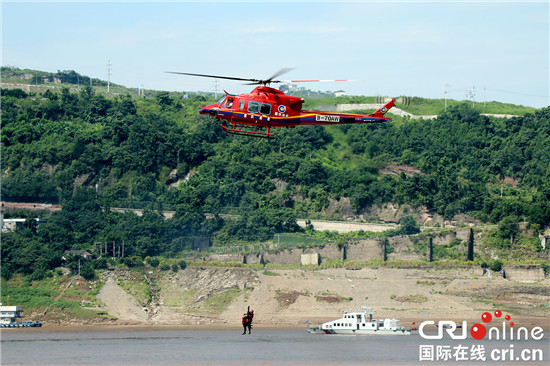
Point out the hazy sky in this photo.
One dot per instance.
(391, 48)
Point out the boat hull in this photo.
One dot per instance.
(318, 330)
(36, 324)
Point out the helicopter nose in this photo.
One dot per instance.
(209, 111)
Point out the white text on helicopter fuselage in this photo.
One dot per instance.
(321, 118)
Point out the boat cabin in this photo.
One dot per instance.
(9, 314)
(361, 321)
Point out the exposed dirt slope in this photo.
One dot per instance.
(221, 295)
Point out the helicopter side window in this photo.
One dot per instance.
(241, 105)
(253, 107)
(220, 102)
(229, 103)
(265, 109)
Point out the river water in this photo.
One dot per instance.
(265, 346)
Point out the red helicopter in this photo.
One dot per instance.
(267, 108)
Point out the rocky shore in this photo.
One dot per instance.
(216, 296)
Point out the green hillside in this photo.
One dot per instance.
(90, 151)
(421, 106)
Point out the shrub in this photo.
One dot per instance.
(153, 262)
(496, 265)
(182, 264)
(409, 225)
(100, 263)
(87, 271)
(133, 261)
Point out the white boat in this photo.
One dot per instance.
(362, 323)
(9, 316)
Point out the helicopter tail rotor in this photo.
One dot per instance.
(402, 101)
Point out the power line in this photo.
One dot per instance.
(497, 90)
(511, 92)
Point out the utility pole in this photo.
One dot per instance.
(109, 75)
(471, 94)
(446, 91)
(216, 85)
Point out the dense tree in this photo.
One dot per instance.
(91, 152)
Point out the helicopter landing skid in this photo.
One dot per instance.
(235, 131)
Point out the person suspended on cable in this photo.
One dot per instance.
(247, 323)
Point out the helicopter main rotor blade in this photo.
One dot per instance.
(315, 81)
(270, 80)
(252, 81)
(212, 76)
(280, 72)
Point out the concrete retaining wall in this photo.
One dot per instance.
(224, 258)
(400, 248)
(254, 258)
(286, 256)
(331, 252)
(364, 250)
(310, 259)
(523, 273)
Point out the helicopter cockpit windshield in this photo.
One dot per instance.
(220, 102)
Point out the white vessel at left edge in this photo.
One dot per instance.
(9, 316)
